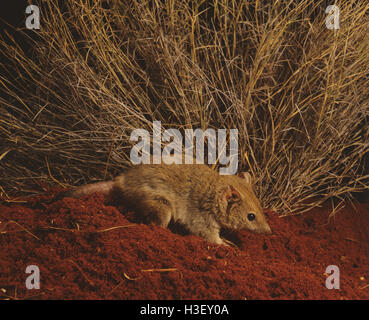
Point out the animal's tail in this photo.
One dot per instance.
(104, 187)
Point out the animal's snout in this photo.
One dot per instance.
(267, 229)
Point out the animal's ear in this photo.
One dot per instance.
(246, 176)
(230, 195)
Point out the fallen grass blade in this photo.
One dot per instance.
(20, 226)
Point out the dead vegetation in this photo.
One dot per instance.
(297, 92)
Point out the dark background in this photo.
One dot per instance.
(13, 13)
(12, 24)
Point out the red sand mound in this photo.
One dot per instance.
(88, 249)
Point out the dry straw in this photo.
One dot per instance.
(297, 92)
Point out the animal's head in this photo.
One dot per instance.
(239, 207)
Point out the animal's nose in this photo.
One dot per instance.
(267, 229)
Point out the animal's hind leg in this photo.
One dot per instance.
(156, 211)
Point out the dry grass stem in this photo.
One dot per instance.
(297, 92)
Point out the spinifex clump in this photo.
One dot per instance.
(296, 91)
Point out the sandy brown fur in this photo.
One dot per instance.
(194, 195)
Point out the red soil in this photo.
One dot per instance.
(84, 259)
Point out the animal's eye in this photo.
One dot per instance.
(251, 216)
